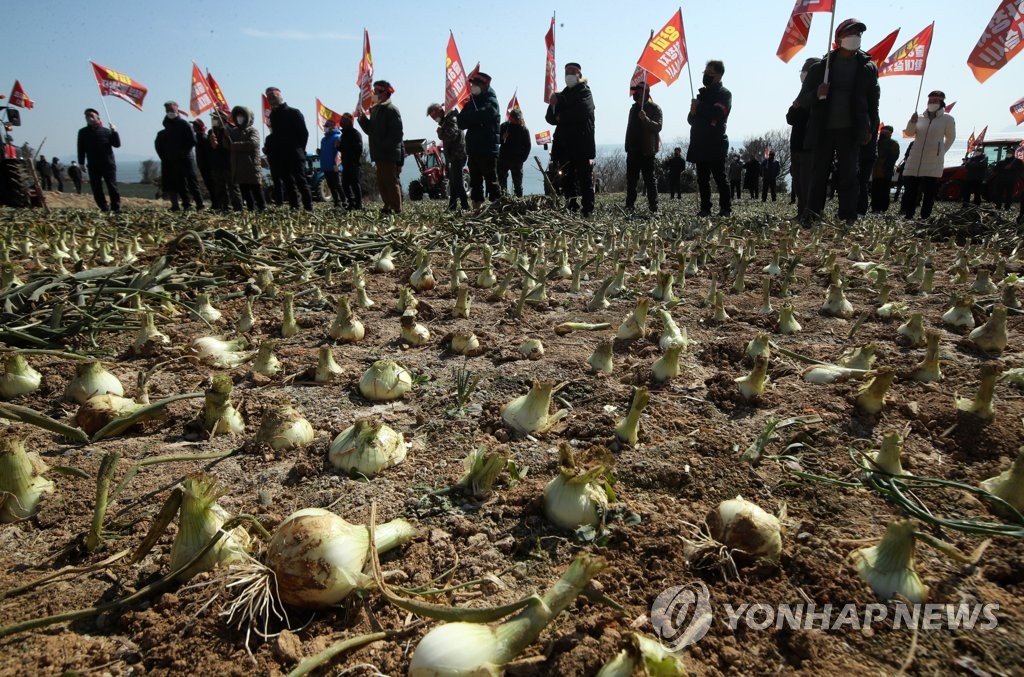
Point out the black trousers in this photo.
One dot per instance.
(800, 173)
(334, 183)
(252, 193)
(705, 170)
(766, 187)
(456, 186)
(578, 180)
(635, 166)
(105, 175)
(506, 167)
(865, 163)
(295, 184)
(78, 185)
(971, 188)
(483, 169)
(880, 195)
(919, 187)
(350, 187)
(838, 144)
(736, 188)
(184, 183)
(675, 186)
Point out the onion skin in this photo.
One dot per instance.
(744, 526)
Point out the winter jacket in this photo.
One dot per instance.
(933, 135)
(770, 169)
(976, 165)
(384, 130)
(290, 131)
(675, 165)
(203, 152)
(708, 140)
(863, 100)
(515, 143)
(751, 173)
(885, 162)
(44, 169)
(329, 150)
(97, 144)
(178, 141)
(220, 157)
(245, 149)
(643, 137)
(452, 138)
(58, 168)
(572, 114)
(481, 118)
(797, 117)
(351, 147)
(735, 170)
(75, 172)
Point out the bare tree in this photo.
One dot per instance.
(775, 140)
(610, 170)
(150, 170)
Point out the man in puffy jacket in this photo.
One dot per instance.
(675, 165)
(709, 143)
(176, 153)
(514, 151)
(573, 149)
(975, 168)
(291, 136)
(97, 143)
(481, 118)
(454, 143)
(800, 157)
(643, 129)
(330, 159)
(383, 128)
(351, 147)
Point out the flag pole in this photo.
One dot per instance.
(828, 51)
(689, 71)
(102, 99)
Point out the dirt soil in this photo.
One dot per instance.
(686, 462)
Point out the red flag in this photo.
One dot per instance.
(970, 143)
(767, 151)
(550, 83)
(795, 37)
(949, 108)
(665, 54)
(219, 102)
(120, 85)
(513, 104)
(364, 80)
(323, 114)
(456, 85)
(882, 49)
(1017, 110)
(1019, 153)
(911, 58)
(473, 73)
(542, 137)
(810, 6)
(18, 97)
(266, 110)
(640, 76)
(1000, 42)
(981, 137)
(201, 99)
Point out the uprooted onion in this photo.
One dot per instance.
(746, 527)
(217, 352)
(92, 379)
(384, 381)
(284, 428)
(367, 447)
(19, 378)
(200, 519)
(22, 484)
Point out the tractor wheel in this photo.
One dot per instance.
(323, 191)
(465, 180)
(440, 191)
(415, 191)
(17, 183)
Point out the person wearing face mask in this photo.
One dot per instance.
(481, 119)
(290, 145)
(573, 149)
(800, 164)
(709, 143)
(516, 144)
(933, 134)
(330, 161)
(97, 143)
(383, 128)
(351, 147)
(224, 193)
(882, 170)
(245, 159)
(975, 169)
(454, 143)
(643, 140)
(204, 159)
(843, 118)
(175, 148)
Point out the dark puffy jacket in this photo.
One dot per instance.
(770, 169)
(885, 161)
(643, 138)
(797, 117)
(245, 149)
(452, 138)
(178, 141)
(203, 152)
(977, 166)
(384, 130)
(515, 143)
(290, 132)
(220, 157)
(351, 147)
(97, 144)
(481, 117)
(572, 114)
(864, 98)
(708, 140)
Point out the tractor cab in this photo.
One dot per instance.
(433, 169)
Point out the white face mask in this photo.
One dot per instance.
(475, 89)
(850, 42)
(803, 75)
(934, 107)
(172, 115)
(239, 119)
(571, 80)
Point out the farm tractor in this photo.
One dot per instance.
(433, 168)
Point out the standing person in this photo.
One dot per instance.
(245, 159)
(899, 170)
(204, 157)
(976, 166)
(643, 140)
(454, 144)
(290, 129)
(57, 168)
(735, 177)
(330, 160)
(800, 158)
(97, 143)
(514, 151)
(481, 118)
(709, 143)
(675, 165)
(882, 170)
(224, 193)
(180, 171)
(770, 170)
(573, 149)
(168, 187)
(45, 173)
(351, 147)
(843, 117)
(933, 134)
(384, 130)
(75, 174)
(278, 167)
(752, 176)
(1004, 178)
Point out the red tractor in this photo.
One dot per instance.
(1000, 153)
(430, 160)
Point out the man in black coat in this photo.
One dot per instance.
(843, 118)
(573, 149)
(351, 147)
(709, 142)
(643, 129)
(481, 118)
(770, 170)
(204, 159)
(515, 150)
(974, 177)
(45, 173)
(800, 157)
(290, 138)
(385, 131)
(674, 167)
(882, 170)
(58, 173)
(75, 174)
(97, 143)
(175, 150)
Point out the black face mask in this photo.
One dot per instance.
(708, 80)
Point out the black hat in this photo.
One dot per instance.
(573, 64)
(482, 78)
(850, 26)
(938, 93)
(93, 111)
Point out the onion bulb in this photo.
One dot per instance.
(871, 397)
(861, 357)
(464, 343)
(982, 404)
(912, 330)
(246, 321)
(528, 414)
(928, 369)
(744, 526)
(787, 321)
(422, 279)
(532, 349)
(346, 326)
(991, 336)
(19, 378)
(576, 496)
(22, 484)
(887, 459)
(266, 363)
(830, 373)
(414, 333)
(601, 359)
(383, 262)
(836, 303)
(92, 379)
(960, 314)
(463, 302)
(200, 519)
(628, 428)
(667, 366)
(983, 283)
(670, 332)
(217, 352)
(219, 416)
(653, 659)
(327, 368)
(289, 327)
(385, 381)
(889, 566)
(99, 410)
(206, 310)
(406, 300)
(635, 324)
(753, 384)
(149, 339)
(1009, 486)
(599, 301)
(367, 447)
(284, 428)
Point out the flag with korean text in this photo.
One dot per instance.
(18, 97)
(364, 79)
(550, 82)
(542, 138)
(456, 86)
(911, 58)
(113, 83)
(794, 38)
(1017, 110)
(201, 99)
(882, 49)
(323, 114)
(1002, 40)
(665, 54)
(219, 101)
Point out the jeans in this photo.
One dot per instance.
(705, 170)
(834, 143)
(635, 166)
(105, 175)
(483, 169)
(925, 187)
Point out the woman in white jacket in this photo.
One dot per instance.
(933, 134)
